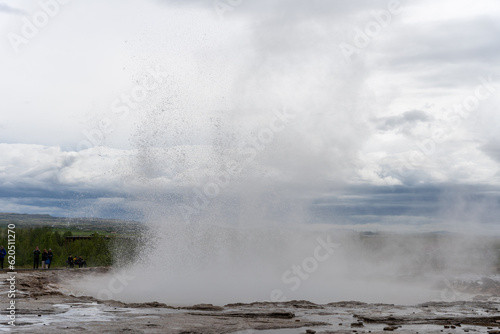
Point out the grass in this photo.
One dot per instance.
(77, 232)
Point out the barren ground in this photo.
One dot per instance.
(44, 306)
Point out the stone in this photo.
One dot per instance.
(390, 328)
(357, 324)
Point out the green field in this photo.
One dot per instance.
(104, 248)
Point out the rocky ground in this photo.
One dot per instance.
(43, 305)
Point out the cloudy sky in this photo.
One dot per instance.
(360, 113)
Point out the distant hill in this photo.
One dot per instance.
(38, 220)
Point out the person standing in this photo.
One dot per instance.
(50, 255)
(81, 262)
(36, 259)
(44, 259)
(3, 252)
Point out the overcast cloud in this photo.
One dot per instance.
(120, 109)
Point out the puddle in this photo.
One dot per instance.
(76, 314)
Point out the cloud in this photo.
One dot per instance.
(406, 119)
(89, 183)
(41, 176)
(434, 206)
(10, 10)
(492, 148)
(437, 61)
(291, 9)
(225, 80)
(436, 42)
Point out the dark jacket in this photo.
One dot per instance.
(44, 256)
(3, 252)
(50, 255)
(36, 253)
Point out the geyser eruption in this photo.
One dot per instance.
(229, 222)
(229, 159)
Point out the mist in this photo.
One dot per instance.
(274, 150)
(254, 167)
(205, 264)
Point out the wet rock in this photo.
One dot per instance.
(495, 331)
(310, 331)
(390, 328)
(352, 304)
(255, 316)
(148, 305)
(303, 304)
(357, 324)
(204, 307)
(293, 303)
(275, 314)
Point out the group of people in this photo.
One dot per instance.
(47, 257)
(79, 261)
